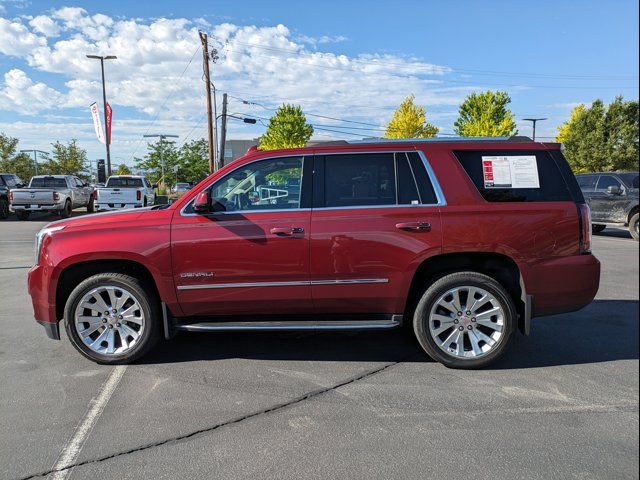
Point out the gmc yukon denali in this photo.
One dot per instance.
(465, 240)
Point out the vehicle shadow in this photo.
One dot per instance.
(606, 330)
(40, 216)
(613, 232)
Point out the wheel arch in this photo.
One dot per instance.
(75, 273)
(498, 266)
(632, 212)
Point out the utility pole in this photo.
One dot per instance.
(162, 137)
(223, 129)
(104, 105)
(207, 80)
(534, 121)
(35, 156)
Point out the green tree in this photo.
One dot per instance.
(66, 159)
(152, 163)
(409, 121)
(193, 161)
(12, 161)
(288, 128)
(123, 170)
(486, 114)
(600, 138)
(565, 128)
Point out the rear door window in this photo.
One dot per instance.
(551, 184)
(587, 183)
(124, 182)
(48, 182)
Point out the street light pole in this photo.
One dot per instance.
(104, 104)
(35, 156)
(162, 137)
(534, 121)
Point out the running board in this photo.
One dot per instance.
(292, 325)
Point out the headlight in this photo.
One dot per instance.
(40, 237)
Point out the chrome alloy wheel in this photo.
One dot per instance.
(109, 320)
(467, 322)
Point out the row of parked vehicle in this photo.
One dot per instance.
(60, 194)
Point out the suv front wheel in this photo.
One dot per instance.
(465, 320)
(111, 319)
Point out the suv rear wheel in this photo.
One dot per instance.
(465, 320)
(110, 318)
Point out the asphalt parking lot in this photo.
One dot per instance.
(563, 403)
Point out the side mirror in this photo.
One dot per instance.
(202, 204)
(614, 190)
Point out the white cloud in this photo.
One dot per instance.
(21, 94)
(45, 25)
(153, 75)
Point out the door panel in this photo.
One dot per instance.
(225, 249)
(364, 246)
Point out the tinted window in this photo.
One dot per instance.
(11, 181)
(119, 182)
(630, 179)
(552, 184)
(407, 188)
(2, 182)
(272, 184)
(48, 182)
(587, 182)
(362, 179)
(427, 193)
(606, 181)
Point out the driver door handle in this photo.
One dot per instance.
(286, 231)
(414, 226)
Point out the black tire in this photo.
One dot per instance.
(148, 302)
(597, 228)
(439, 288)
(144, 202)
(4, 208)
(633, 227)
(22, 214)
(66, 211)
(91, 207)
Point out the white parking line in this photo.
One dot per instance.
(72, 449)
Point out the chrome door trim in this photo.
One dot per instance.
(299, 283)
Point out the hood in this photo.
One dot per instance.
(102, 218)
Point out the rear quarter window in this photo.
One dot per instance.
(553, 187)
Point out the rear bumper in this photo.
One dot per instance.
(563, 285)
(39, 208)
(105, 207)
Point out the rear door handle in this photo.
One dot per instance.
(286, 231)
(414, 226)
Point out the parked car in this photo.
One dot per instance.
(51, 193)
(7, 182)
(465, 239)
(125, 191)
(179, 190)
(612, 198)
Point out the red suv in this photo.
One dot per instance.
(465, 239)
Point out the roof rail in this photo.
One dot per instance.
(440, 139)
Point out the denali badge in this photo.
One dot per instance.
(196, 274)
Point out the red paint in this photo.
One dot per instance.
(543, 239)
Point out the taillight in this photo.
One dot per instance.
(585, 228)
(56, 196)
(10, 197)
(95, 193)
(139, 195)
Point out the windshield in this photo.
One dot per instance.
(48, 182)
(119, 182)
(630, 179)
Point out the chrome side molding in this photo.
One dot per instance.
(283, 284)
(293, 325)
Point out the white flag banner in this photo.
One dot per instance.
(95, 113)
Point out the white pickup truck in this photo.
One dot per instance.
(125, 191)
(51, 193)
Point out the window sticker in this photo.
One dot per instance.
(510, 172)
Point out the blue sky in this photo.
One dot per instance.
(347, 60)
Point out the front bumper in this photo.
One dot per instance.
(44, 309)
(563, 284)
